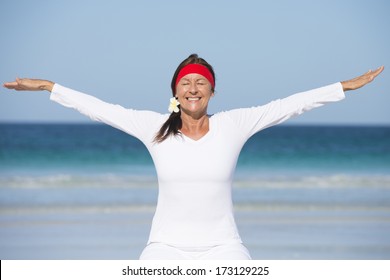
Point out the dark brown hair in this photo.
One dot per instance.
(173, 123)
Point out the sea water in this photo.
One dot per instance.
(88, 191)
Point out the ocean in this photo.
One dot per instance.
(88, 191)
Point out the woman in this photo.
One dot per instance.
(195, 154)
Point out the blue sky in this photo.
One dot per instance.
(125, 52)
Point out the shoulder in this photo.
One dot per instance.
(147, 114)
(228, 117)
(148, 118)
(234, 113)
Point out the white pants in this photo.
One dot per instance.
(161, 251)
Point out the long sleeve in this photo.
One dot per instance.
(137, 123)
(252, 120)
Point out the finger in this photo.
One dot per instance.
(10, 85)
(370, 75)
(373, 74)
(364, 76)
(378, 71)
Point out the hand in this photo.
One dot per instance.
(29, 84)
(362, 80)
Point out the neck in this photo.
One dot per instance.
(194, 127)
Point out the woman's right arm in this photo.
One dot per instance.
(134, 122)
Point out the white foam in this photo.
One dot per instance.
(68, 180)
(133, 181)
(316, 181)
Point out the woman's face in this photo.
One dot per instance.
(194, 92)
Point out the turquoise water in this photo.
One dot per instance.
(50, 148)
(299, 192)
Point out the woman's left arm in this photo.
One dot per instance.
(252, 120)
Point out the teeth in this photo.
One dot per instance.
(193, 98)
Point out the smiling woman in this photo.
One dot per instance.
(194, 215)
(192, 85)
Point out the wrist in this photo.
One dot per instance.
(345, 86)
(47, 85)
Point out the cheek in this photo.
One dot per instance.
(180, 91)
(210, 95)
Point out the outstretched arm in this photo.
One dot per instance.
(36, 84)
(254, 119)
(30, 85)
(362, 80)
(134, 122)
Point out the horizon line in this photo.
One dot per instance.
(16, 122)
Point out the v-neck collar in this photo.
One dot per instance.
(203, 138)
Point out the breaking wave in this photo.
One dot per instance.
(134, 181)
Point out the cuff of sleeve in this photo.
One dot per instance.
(56, 90)
(339, 91)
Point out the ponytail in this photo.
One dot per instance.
(170, 127)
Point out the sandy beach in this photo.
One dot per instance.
(270, 232)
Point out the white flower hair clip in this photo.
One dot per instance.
(173, 105)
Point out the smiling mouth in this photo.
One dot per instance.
(193, 98)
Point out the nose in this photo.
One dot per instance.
(193, 88)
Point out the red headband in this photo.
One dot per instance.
(197, 69)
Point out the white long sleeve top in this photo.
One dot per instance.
(195, 177)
